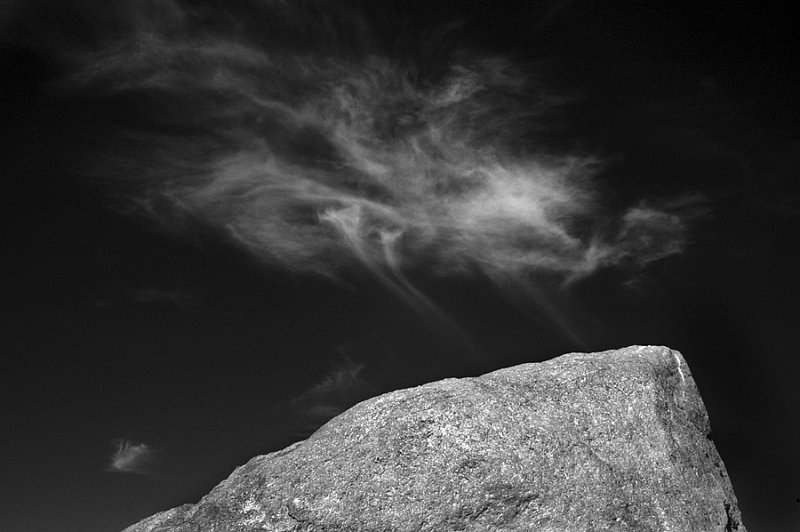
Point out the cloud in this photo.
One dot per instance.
(319, 151)
(339, 389)
(131, 457)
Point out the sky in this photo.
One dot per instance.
(224, 223)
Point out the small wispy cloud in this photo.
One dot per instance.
(338, 390)
(131, 457)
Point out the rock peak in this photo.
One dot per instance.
(616, 440)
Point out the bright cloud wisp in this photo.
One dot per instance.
(131, 457)
(326, 155)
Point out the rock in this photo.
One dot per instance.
(618, 440)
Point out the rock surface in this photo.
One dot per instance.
(618, 440)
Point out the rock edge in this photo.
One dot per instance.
(616, 440)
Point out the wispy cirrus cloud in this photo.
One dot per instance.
(131, 457)
(320, 150)
(339, 389)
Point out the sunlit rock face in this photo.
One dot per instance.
(618, 440)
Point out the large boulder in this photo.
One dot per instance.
(618, 440)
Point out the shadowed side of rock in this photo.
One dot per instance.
(618, 440)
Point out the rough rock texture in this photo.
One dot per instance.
(618, 440)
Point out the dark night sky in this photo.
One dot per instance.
(147, 313)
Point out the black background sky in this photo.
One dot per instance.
(114, 329)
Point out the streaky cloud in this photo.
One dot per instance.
(325, 153)
(338, 390)
(131, 457)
